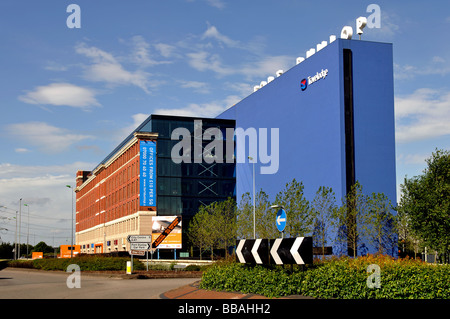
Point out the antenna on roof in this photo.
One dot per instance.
(300, 60)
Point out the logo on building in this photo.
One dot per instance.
(303, 84)
(312, 79)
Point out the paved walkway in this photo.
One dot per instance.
(193, 291)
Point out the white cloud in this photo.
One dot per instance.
(212, 32)
(141, 53)
(216, 3)
(10, 171)
(265, 66)
(210, 109)
(21, 150)
(205, 58)
(53, 66)
(124, 132)
(199, 87)
(204, 61)
(166, 50)
(422, 115)
(219, 4)
(44, 189)
(61, 94)
(437, 65)
(48, 138)
(106, 68)
(412, 158)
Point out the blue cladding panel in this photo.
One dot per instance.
(309, 122)
(312, 125)
(373, 83)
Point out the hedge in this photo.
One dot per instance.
(343, 278)
(86, 263)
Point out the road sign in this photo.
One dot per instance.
(139, 246)
(139, 238)
(260, 251)
(281, 219)
(292, 251)
(243, 251)
(137, 252)
(275, 251)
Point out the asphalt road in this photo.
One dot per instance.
(32, 284)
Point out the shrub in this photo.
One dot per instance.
(343, 278)
(86, 263)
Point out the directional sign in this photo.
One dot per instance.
(244, 251)
(139, 238)
(260, 251)
(275, 251)
(292, 251)
(137, 252)
(281, 219)
(253, 251)
(139, 246)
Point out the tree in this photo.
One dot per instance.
(324, 210)
(265, 226)
(214, 226)
(382, 230)
(408, 242)
(426, 201)
(224, 216)
(297, 210)
(6, 250)
(42, 246)
(352, 221)
(199, 232)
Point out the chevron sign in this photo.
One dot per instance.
(280, 251)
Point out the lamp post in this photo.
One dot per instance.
(254, 199)
(15, 241)
(71, 248)
(28, 227)
(20, 222)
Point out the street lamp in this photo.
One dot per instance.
(15, 237)
(71, 248)
(254, 199)
(20, 222)
(28, 230)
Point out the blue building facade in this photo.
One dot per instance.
(334, 117)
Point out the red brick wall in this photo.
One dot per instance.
(116, 197)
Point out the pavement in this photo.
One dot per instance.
(193, 291)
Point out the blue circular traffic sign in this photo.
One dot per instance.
(281, 219)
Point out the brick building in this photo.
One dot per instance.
(115, 200)
(107, 205)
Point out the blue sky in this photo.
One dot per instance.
(68, 96)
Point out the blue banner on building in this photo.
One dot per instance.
(147, 173)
